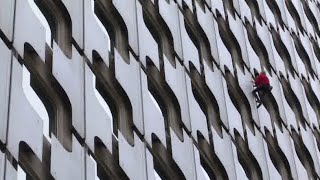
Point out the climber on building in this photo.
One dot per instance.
(262, 86)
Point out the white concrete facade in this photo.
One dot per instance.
(149, 89)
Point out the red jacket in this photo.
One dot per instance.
(262, 79)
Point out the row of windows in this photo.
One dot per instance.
(205, 103)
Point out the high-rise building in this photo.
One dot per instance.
(159, 89)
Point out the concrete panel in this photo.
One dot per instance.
(152, 115)
(290, 21)
(150, 165)
(281, 5)
(225, 59)
(70, 75)
(175, 77)
(92, 27)
(2, 165)
(223, 149)
(277, 93)
(183, 154)
(128, 11)
(245, 83)
(237, 29)
(5, 73)
(28, 29)
(301, 170)
(73, 162)
(148, 47)
(298, 6)
(298, 90)
(188, 3)
(217, 6)
(265, 37)
(170, 14)
(245, 12)
(198, 166)
(96, 117)
(261, 9)
(265, 120)
(216, 87)
(270, 18)
(288, 42)
(291, 121)
(315, 11)
(132, 159)
(286, 145)
(91, 166)
(234, 118)
(6, 18)
(190, 51)
(197, 117)
(11, 172)
(91, 115)
(307, 46)
(76, 14)
(25, 125)
(239, 169)
(301, 68)
(252, 56)
(255, 143)
(273, 173)
(128, 75)
(205, 19)
(307, 135)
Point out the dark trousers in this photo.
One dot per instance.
(260, 91)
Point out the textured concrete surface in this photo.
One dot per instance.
(149, 89)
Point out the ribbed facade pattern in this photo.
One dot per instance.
(159, 89)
